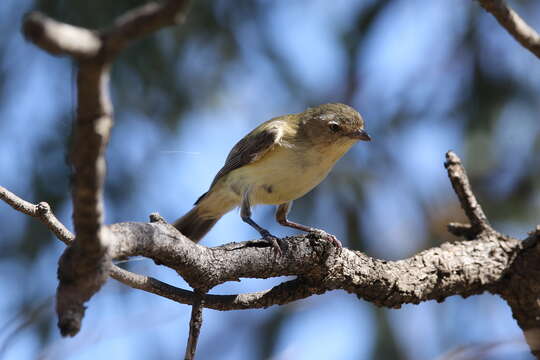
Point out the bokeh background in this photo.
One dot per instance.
(428, 76)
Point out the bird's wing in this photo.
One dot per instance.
(250, 149)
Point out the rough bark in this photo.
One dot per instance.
(489, 262)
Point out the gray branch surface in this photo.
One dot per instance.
(490, 262)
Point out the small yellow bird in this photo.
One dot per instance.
(279, 161)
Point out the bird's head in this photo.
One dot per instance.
(332, 124)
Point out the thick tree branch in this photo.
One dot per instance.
(460, 268)
(492, 262)
(514, 24)
(284, 293)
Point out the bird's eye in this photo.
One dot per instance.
(334, 127)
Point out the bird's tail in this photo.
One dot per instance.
(194, 225)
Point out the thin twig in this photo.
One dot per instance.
(42, 211)
(142, 21)
(195, 324)
(60, 39)
(283, 293)
(514, 24)
(462, 187)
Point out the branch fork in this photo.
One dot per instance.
(460, 182)
(85, 265)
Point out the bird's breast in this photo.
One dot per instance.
(282, 175)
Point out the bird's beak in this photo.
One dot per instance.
(360, 135)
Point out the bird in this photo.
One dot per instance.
(276, 163)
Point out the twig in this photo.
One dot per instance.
(195, 324)
(281, 294)
(60, 39)
(514, 24)
(64, 39)
(142, 21)
(42, 211)
(23, 319)
(462, 187)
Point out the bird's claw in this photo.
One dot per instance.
(278, 245)
(328, 237)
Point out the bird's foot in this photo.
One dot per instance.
(279, 245)
(328, 237)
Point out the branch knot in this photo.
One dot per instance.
(43, 208)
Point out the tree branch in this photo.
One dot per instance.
(462, 187)
(284, 293)
(143, 21)
(42, 211)
(281, 294)
(492, 262)
(85, 265)
(60, 39)
(514, 24)
(195, 324)
(460, 268)
(520, 289)
(64, 39)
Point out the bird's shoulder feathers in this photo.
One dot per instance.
(255, 145)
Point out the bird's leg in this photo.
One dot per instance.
(245, 213)
(281, 217)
